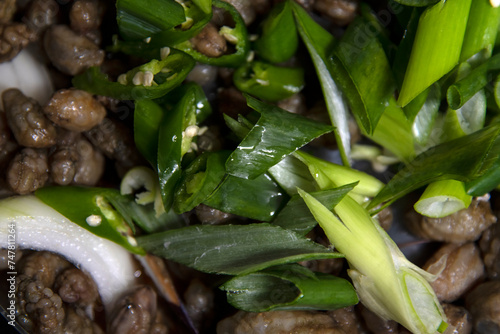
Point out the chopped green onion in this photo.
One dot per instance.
(386, 282)
(481, 32)
(443, 198)
(437, 46)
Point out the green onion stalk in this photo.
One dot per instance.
(386, 282)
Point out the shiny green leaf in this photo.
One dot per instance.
(260, 198)
(276, 134)
(288, 287)
(233, 249)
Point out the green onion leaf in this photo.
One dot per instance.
(386, 282)
(297, 217)
(465, 159)
(426, 116)
(461, 91)
(299, 289)
(437, 46)
(481, 32)
(330, 175)
(291, 173)
(276, 134)
(363, 73)
(260, 198)
(320, 43)
(393, 132)
(233, 249)
(92, 209)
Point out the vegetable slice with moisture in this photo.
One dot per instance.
(233, 249)
(276, 134)
(437, 46)
(387, 283)
(299, 289)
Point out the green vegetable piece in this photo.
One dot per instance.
(279, 39)
(329, 175)
(299, 290)
(236, 35)
(138, 19)
(466, 159)
(425, 118)
(202, 107)
(199, 180)
(148, 81)
(461, 91)
(296, 216)
(260, 198)
(291, 173)
(363, 73)
(481, 32)
(276, 134)
(91, 208)
(147, 119)
(269, 82)
(320, 43)
(204, 5)
(176, 132)
(394, 132)
(442, 198)
(233, 249)
(148, 48)
(437, 46)
(387, 283)
(486, 183)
